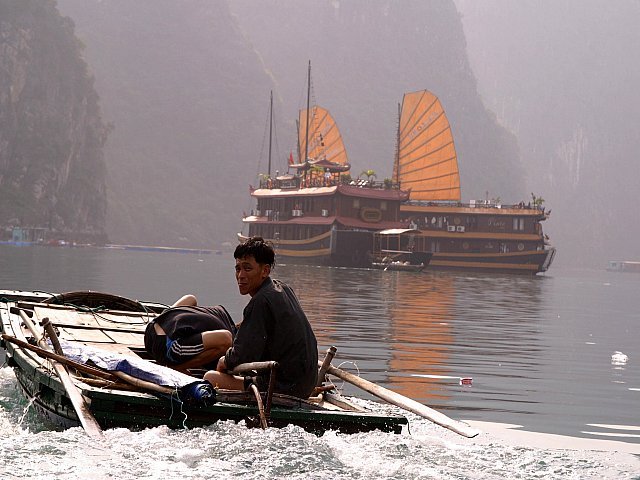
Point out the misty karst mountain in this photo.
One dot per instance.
(52, 167)
(186, 86)
(184, 89)
(181, 86)
(564, 76)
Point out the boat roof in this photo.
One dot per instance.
(397, 231)
(349, 190)
(282, 192)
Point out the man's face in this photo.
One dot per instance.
(250, 274)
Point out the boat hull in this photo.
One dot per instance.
(334, 248)
(531, 262)
(135, 411)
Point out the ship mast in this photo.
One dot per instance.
(270, 130)
(397, 169)
(306, 132)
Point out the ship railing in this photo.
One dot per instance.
(481, 204)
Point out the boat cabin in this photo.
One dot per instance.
(475, 228)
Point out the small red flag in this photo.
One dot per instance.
(290, 158)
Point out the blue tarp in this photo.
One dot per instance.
(138, 368)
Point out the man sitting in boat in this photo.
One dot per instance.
(274, 327)
(189, 336)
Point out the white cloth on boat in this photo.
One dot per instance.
(136, 367)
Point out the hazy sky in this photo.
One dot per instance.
(563, 76)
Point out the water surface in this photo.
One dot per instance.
(539, 351)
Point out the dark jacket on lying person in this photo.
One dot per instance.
(183, 327)
(274, 327)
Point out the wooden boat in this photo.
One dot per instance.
(114, 325)
(393, 249)
(481, 235)
(398, 266)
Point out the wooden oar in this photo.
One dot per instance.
(405, 403)
(87, 420)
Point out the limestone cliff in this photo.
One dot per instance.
(52, 167)
(187, 83)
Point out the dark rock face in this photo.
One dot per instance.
(52, 167)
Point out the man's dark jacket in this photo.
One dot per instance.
(274, 327)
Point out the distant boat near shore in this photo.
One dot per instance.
(624, 266)
(148, 248)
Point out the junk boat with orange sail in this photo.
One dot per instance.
(319, 215)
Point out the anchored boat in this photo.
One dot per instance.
(393, 249)
(481, 235)
(318, 215)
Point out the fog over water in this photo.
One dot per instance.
(563, 77)
(541, 95)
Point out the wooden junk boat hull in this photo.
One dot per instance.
(122, 330)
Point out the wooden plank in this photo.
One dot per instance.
(126, 338)
(88, 421)
(117, 313)
(76, 335)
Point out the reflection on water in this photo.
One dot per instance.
(396, 326)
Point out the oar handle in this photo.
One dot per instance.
(405, 403)
(328, 358)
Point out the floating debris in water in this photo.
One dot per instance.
(619, 358)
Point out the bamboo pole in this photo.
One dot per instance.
(81, 367)
(87, 420)
(143, 384)
(405, 403)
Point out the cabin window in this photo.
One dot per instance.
(518, 223)
(356, 203)
(383, 205)
(435, 245)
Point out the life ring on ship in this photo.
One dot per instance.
(89, 299)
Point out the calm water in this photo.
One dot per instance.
(539, 351)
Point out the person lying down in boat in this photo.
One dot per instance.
(274, 327)
(189, 336)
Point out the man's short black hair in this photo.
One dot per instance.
(258, 248)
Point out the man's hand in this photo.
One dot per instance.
(222, 365)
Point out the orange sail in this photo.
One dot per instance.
(426, 164)
(325, 141)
